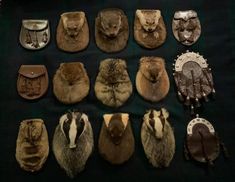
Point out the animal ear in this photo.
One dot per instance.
(165, 113)
(139, 14)
(64, 19)
(62, 120)
(146, 119)
(82, 18)
(157, 14)
(123, 63)
(125, 119)
(107, 118)
(84, 117)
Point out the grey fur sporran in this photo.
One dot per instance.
(73, 142)
(158, 138)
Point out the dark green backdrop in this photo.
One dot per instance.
(217, 43)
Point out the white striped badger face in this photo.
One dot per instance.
(155, 121)
(72, 125)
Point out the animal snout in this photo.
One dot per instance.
(72, 146)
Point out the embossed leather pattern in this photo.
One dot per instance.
(32, 81)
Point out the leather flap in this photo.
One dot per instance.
(32, 71)
(35, 25)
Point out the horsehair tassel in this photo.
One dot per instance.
(28, 38)
(192, 110)
(202, 91)
(186, 154)
(225, 151)
(197, 102)
(44, 37)
(187, 101)
(181, 98)
(213, 93)
(205, 97)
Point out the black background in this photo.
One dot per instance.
(217, 43)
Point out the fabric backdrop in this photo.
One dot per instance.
(217, 43)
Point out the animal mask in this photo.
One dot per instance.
(149, 28)
(157, 138)
(186, 27)
(72, 32)
(113, 85)
(32, 146)
(71, 83)
(116, 140)
(73, 142)
(152, 81)
(111, 30)
(115, 127)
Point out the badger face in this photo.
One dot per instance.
(155, 120)
(72, 125)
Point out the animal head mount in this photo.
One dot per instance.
(152, 68)
(72, 72)
(155, 120)
(73, 22)
(72, 125)
(116, 125)
(193, 79)
(111, 22)
(186, 27)
(149, 19)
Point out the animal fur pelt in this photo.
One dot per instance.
(32, 146)
(149, 28)
(73, 142)
(111, 30)
(157, 138)
(113, 85)
(72, 32)
(71, 83)
(116, 140)
(152, 81)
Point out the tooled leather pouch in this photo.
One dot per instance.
(32, 81)
(202, 142)
(34, 34)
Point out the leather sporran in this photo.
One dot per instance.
(32, 81)
(32, 147)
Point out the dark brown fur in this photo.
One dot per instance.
(116, 144)
(111, 30)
